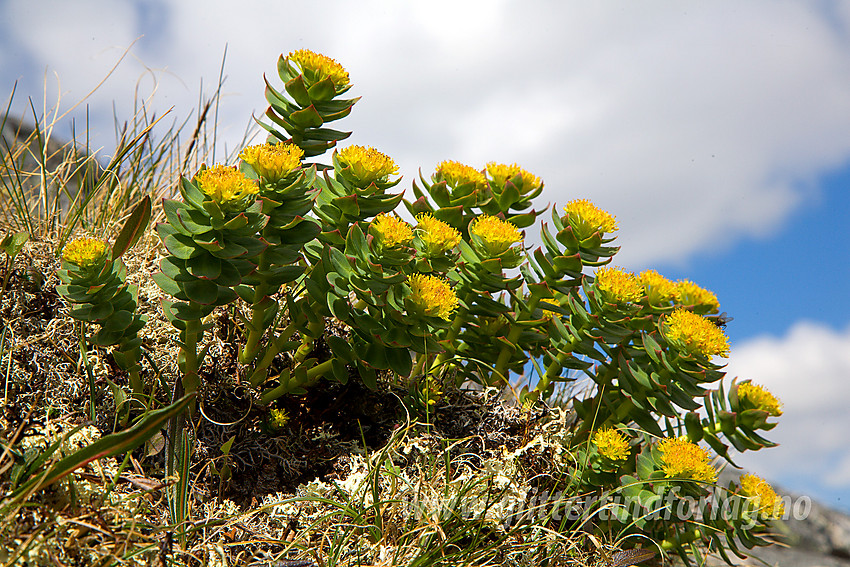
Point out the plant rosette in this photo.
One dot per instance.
(211, 238)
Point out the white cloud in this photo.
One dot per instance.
(809, 370)
(695, 125)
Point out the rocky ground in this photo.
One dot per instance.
(822, 539)
(819, 539)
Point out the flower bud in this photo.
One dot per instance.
(84, 252)
(273, 162)
(496, 235)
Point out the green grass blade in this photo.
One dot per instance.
(104, 447)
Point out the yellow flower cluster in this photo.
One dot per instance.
(618, 285)
(682, 459)
(764, 498)
(658, 288)
(696, 334)
(226, 186)
(84, 252)
(278, 418)
(320, 66)
(273, 162)
(437, 236)
(592, 216)
(455, 174)
(393, 231)
(611, 444)
(500, 173)
(689, 293)
(366, 165)
(760, 398)
(496, 234)
(432, 295)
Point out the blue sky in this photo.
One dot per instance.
(718, 134)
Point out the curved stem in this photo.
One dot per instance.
(187, 360)
(89, 373)
(506, 352)
(454, 331)
(258, 314)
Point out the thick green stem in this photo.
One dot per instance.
(89, 373)
(313, 331)
(506, 352)
(258, 315)
(454, 331)
(187, 360)
(419, 366)
(288, 383)
(554, 369)
(137, 384)
(688, 536)
(277, 345)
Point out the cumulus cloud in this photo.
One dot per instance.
(809, 370)
(695, 124)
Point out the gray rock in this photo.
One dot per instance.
(819, 538)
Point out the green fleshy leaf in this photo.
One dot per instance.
(399, 360)
(106, 338)
(298, 91)
(340, 348)
(92, 313)
(169, 286)
(340, 371)
(368, 375)
(205, 266)
(173, 210)
(188, 311)
(13, 243)
(236, 223)
(119, 321)
(201, 291)
(180, 246)
(229, 275)
(245, 292)
(306, 118)
(225, 296)
(193, 196)
(175, 269)
(322, 91)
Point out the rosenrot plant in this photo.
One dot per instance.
(93, 278)
(212, 238)
(337, 285)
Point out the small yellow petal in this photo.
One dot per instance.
(611, 444)
(688, 293)
(682, 459)
(273, 162)
(762, 495)
(658, 289)
(760, 398)
(366, 165)
(84, 252)
(437, 236)
(501, 173)
(618, 285)
(392, 230)
(455, 174)
(497, 235)
(695, 334)
(319, 66)
(227, 186)
(432, 295)
(592, 217)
